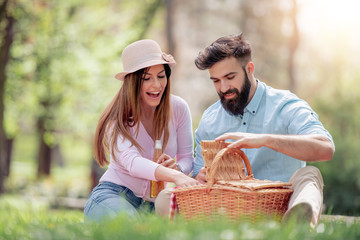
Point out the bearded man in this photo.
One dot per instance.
(278, 131)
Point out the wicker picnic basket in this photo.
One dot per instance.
(232, 190)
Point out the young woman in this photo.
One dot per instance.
(142, 112)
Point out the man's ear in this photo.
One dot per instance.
(250, 68)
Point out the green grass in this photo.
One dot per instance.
(25, 219)
(26, 213)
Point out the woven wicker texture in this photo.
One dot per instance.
(254, 184)
(228, 165)
(231, 191)
(209, 149)
(234, 203)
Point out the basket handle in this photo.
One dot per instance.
(218, 160)
(244, 157)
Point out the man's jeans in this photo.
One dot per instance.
(108, 200)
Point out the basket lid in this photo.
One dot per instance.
(254, 184)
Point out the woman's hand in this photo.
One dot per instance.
(183, 180)
(201, 177)
(170, 175)
(167, 161)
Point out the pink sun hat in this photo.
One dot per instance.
(142, 54)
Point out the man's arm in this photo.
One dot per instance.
(309, 148)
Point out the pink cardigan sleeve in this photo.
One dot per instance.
(185, 141)
(130, 161)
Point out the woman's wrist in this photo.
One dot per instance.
(178, 167)
(167, 174)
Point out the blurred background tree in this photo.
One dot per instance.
(58, 59)
(7, 36)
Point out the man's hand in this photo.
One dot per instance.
(244, 140)
(309, 148)
(201, 177)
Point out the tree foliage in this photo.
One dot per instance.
(341, 174)
(63, 61)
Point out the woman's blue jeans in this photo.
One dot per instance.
(108, 200)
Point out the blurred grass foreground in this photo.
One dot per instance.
(26, 219)
(37, 209)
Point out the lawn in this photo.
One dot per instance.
(24, 218)
(27, 211)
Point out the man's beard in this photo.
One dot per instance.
(236, 105)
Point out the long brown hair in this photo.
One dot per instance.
(123, 112)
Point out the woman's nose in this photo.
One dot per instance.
(157, 82)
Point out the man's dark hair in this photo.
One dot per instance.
(224, 47)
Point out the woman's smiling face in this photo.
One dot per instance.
(153, 86)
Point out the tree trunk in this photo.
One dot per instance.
(293, 45)
(3, 154)
(8, 148)
(170, 11)
(96, 170)
(44, 158)
(146, 17)
(96, 173)
(4, 58)
(44, 154)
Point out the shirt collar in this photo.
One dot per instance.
(253, 105)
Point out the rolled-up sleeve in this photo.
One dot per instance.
(303, 120)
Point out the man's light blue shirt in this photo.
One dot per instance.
(270, 111)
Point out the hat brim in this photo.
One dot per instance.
(121, 75)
